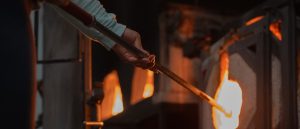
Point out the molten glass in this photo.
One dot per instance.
(229, 96)
(118, 103)
(149, 87)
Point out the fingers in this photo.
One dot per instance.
(142, 62)
(126, 56)
(134, 38)
(146, 63)
(152, 58)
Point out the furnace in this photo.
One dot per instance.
(247, 71)
(259, 63)
(248, 64)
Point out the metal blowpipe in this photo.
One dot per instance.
(90, 21)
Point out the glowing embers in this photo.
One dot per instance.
(276, 29)
(254, 20)
(274, 26)
(228, 95)
(118, 101)
(149, 87)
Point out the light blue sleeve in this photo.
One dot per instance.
(96, 9)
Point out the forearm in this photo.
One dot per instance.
(95, 8)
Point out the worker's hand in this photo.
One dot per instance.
(59, 2)
(134, 38)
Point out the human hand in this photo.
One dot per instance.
(134, 38)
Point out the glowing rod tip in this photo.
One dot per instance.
(228, 115)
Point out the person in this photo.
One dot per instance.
(109, 20)
(95, 8)
(18, 65)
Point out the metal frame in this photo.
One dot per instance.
(264, 86)
(260, 61)
(288, 56)
(286, 51)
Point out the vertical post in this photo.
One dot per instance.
(289, 75)
(264, 87)
(86, 47)
(292, 48)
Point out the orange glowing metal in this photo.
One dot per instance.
(118, 103)
(229, 96)
(254, 20)
(149, 87)
(276, 30)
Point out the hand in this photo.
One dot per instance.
(59, 2)
(134, 38)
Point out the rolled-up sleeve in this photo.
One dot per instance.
(96, 9)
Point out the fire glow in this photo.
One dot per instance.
(254, 20)
(276, 29)
(149, 87)
(118, 103)
(229, 96)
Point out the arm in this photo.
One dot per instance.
(107, 19)
(95, 8)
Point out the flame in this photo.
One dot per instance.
(229, 96)
(254, 20)
(118, 103)
(149, 87)
(276, 30)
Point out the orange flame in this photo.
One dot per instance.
(276, 30)
(149, 87)
(254, 20)
(229, 96)
(118, 103)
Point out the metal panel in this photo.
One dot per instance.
(63, 97)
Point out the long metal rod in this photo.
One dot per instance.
(192, 88)
(89, 20)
